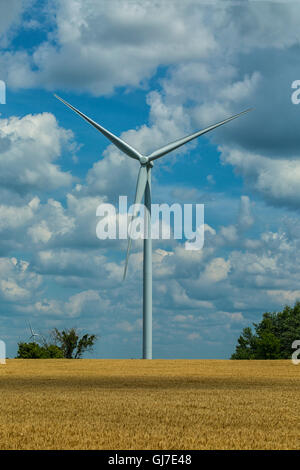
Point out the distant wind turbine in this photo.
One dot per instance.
(33, 334)
(143, 189)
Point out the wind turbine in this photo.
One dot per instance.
(143, 189)
(33, 334)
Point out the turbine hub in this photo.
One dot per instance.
(143, 160)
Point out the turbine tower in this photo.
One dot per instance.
(143, 189)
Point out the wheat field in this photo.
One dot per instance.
(159, 404)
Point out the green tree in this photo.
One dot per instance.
(35, 351)
(246, 345)
(54, 352)
(272, 337)
(71, 344)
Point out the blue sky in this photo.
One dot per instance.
(150, 72)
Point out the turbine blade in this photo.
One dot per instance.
(139, 193)
(178, 143)
(123, 146)
(30, 326)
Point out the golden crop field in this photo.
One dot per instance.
(158, 404)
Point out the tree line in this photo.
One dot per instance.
(62, 344)
(272, 338)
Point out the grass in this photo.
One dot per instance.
(159, 404)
